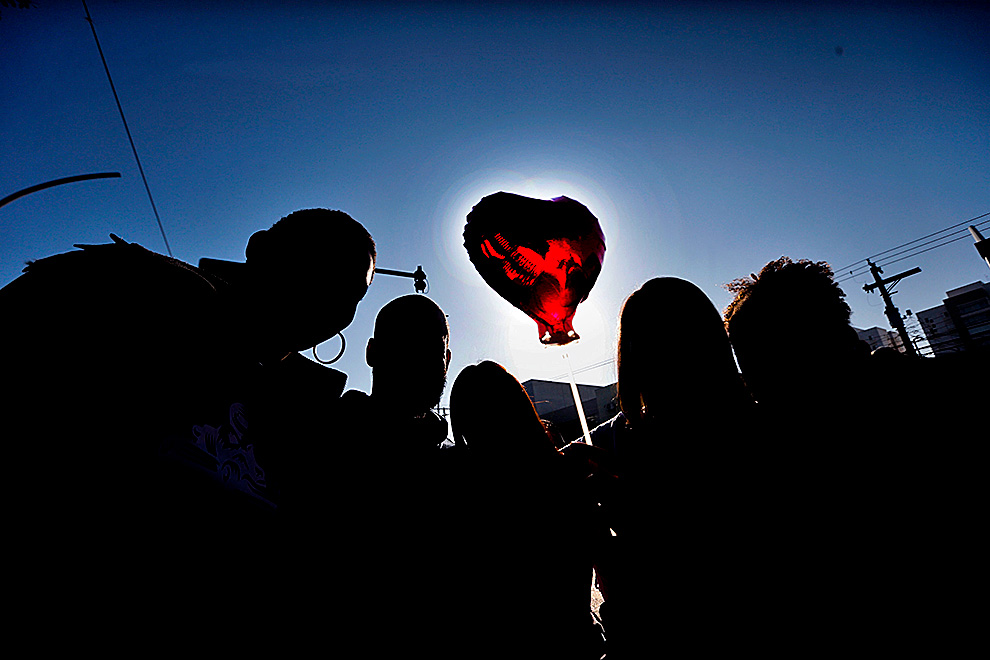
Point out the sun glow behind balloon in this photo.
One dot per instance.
(541, 255)
(546, 184)
(511, 337)
(529, 358)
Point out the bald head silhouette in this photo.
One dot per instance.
(409, 355)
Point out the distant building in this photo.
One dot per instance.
(961, 322)
(940, 330)
(880, 338)
(555, 402)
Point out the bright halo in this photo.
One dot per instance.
(461, 197)
(512, 337)
(528, 358)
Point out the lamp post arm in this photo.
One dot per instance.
(57, 182)
(418, 275)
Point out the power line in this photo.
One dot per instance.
(874, 256)
(894, 261)
(961, 232)
(913, 251)
(597, 365)
(910, 252)
(127, 130)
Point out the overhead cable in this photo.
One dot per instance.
(127, 130)
(873, 257)
(913, 251)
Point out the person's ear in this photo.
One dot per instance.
(447, 363)
(370, 354)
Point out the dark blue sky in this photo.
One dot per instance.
(709, 138)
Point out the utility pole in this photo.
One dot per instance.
(982, 245)
(893, 315)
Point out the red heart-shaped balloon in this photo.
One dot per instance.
(543, 256)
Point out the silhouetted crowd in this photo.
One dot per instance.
(179, 476)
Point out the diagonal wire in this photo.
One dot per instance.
(910, 252)
(963, 233)
(915, 250)
(913, 254)
(581, 370)
(127, 130)
(965, 222)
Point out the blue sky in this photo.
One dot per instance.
(709, 138)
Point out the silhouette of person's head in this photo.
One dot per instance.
(673, 355)
(305, 278)
(789, 327)
(492, 414)
(409, 355)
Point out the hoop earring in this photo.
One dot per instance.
(343, 345)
